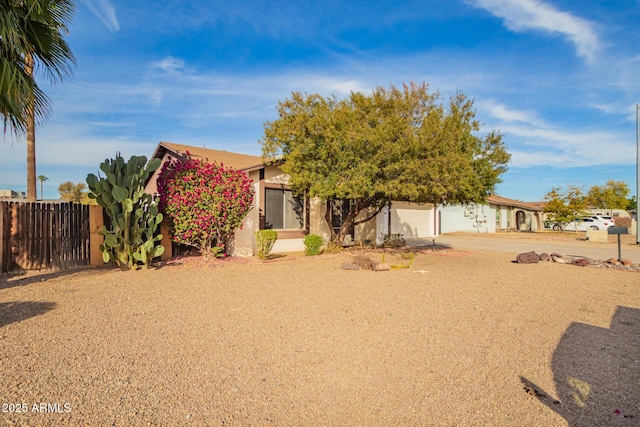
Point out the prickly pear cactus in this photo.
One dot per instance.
(134, 214)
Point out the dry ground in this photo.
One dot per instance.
(458, 339)
(549, 235)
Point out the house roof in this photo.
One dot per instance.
(244, 162)
(503, 201)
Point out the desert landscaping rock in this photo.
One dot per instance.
(545, 257)
(527, 258)
(611, 263)
(301, 342)
(349, 266)
(383, 267)
(558, 258)
(581, 262)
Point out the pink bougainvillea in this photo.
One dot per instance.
(204, 202)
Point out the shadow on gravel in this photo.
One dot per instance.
(597, 373)
(24, 278)
(17, 311)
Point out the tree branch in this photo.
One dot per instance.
(370, 217)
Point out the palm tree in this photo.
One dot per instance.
(42, 179)
(31, 39)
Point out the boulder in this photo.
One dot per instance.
(612, 261)
(545, 257)
(349, 266)
(581, 262)
(527, 258)
(383, 267)
(626, 262)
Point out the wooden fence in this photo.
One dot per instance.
(43, 236)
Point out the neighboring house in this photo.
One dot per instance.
(277, 208)
(10, 194)
(497, 214)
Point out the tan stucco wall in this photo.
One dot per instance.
(317, 224)
(152, 187)
(96, 222)
(244, 242)
(273, 175)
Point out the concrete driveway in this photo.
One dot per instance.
(572, 248)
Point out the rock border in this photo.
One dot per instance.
(611, 263)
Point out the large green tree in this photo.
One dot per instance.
(391, 144)
(565, 205)
(76, 193)
(612, 195)
(31, 41)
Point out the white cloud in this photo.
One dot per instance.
(169, 64)
(605, 108)
(105, 12)
(501, 112)
(337, 86)
(522, 15)
(567, 147)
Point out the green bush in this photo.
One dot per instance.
(265, 239)
(393, 241)
(332, 248)
(312, 244)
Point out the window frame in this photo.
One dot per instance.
(284, 233)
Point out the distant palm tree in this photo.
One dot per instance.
(42, 179)
(31, 39)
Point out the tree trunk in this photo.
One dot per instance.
(350, 222)
(31, 138)
(346, 226)
(327, 218)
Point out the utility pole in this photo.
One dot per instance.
(637, 174)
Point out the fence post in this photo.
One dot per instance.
(166, 242)
(15, 241)
(2, 254)
(96, 221)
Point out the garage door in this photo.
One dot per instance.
(412, 220)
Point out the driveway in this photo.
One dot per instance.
(498, 243)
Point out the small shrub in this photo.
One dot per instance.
(364, 244)
(312, 244)
(393, 241)
(332, 248)
(265, 239)
(218, 252)
(364, 262)
(622, 222)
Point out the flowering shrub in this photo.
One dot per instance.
(204, 202)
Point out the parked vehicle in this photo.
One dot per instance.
(586, 223)
(605, 218)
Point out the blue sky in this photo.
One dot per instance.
(558, 78)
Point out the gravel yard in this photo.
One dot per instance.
(460, 338)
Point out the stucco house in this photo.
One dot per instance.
(276, 207)
(497, 214)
